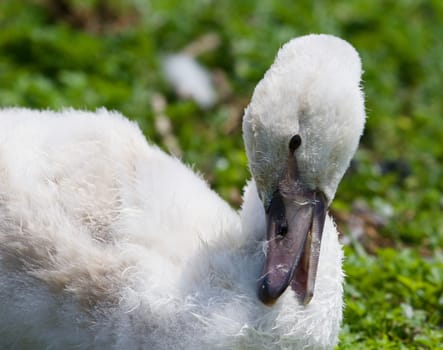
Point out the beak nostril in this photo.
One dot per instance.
(282, 229)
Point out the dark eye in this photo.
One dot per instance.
(294, 143)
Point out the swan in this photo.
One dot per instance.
(107, 242)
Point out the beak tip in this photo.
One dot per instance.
(266, 293)
(307, 299)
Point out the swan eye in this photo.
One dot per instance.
(294, 143)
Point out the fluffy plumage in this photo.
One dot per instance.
(106, 242)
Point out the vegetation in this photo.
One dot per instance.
(93, 53)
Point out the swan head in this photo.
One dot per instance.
(301, 130)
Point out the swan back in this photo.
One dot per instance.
(87, 211)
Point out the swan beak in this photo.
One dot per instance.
(295, 220)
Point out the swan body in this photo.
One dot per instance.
(106, 242)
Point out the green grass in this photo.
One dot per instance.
(88, 55)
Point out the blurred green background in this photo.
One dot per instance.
(92, 53)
